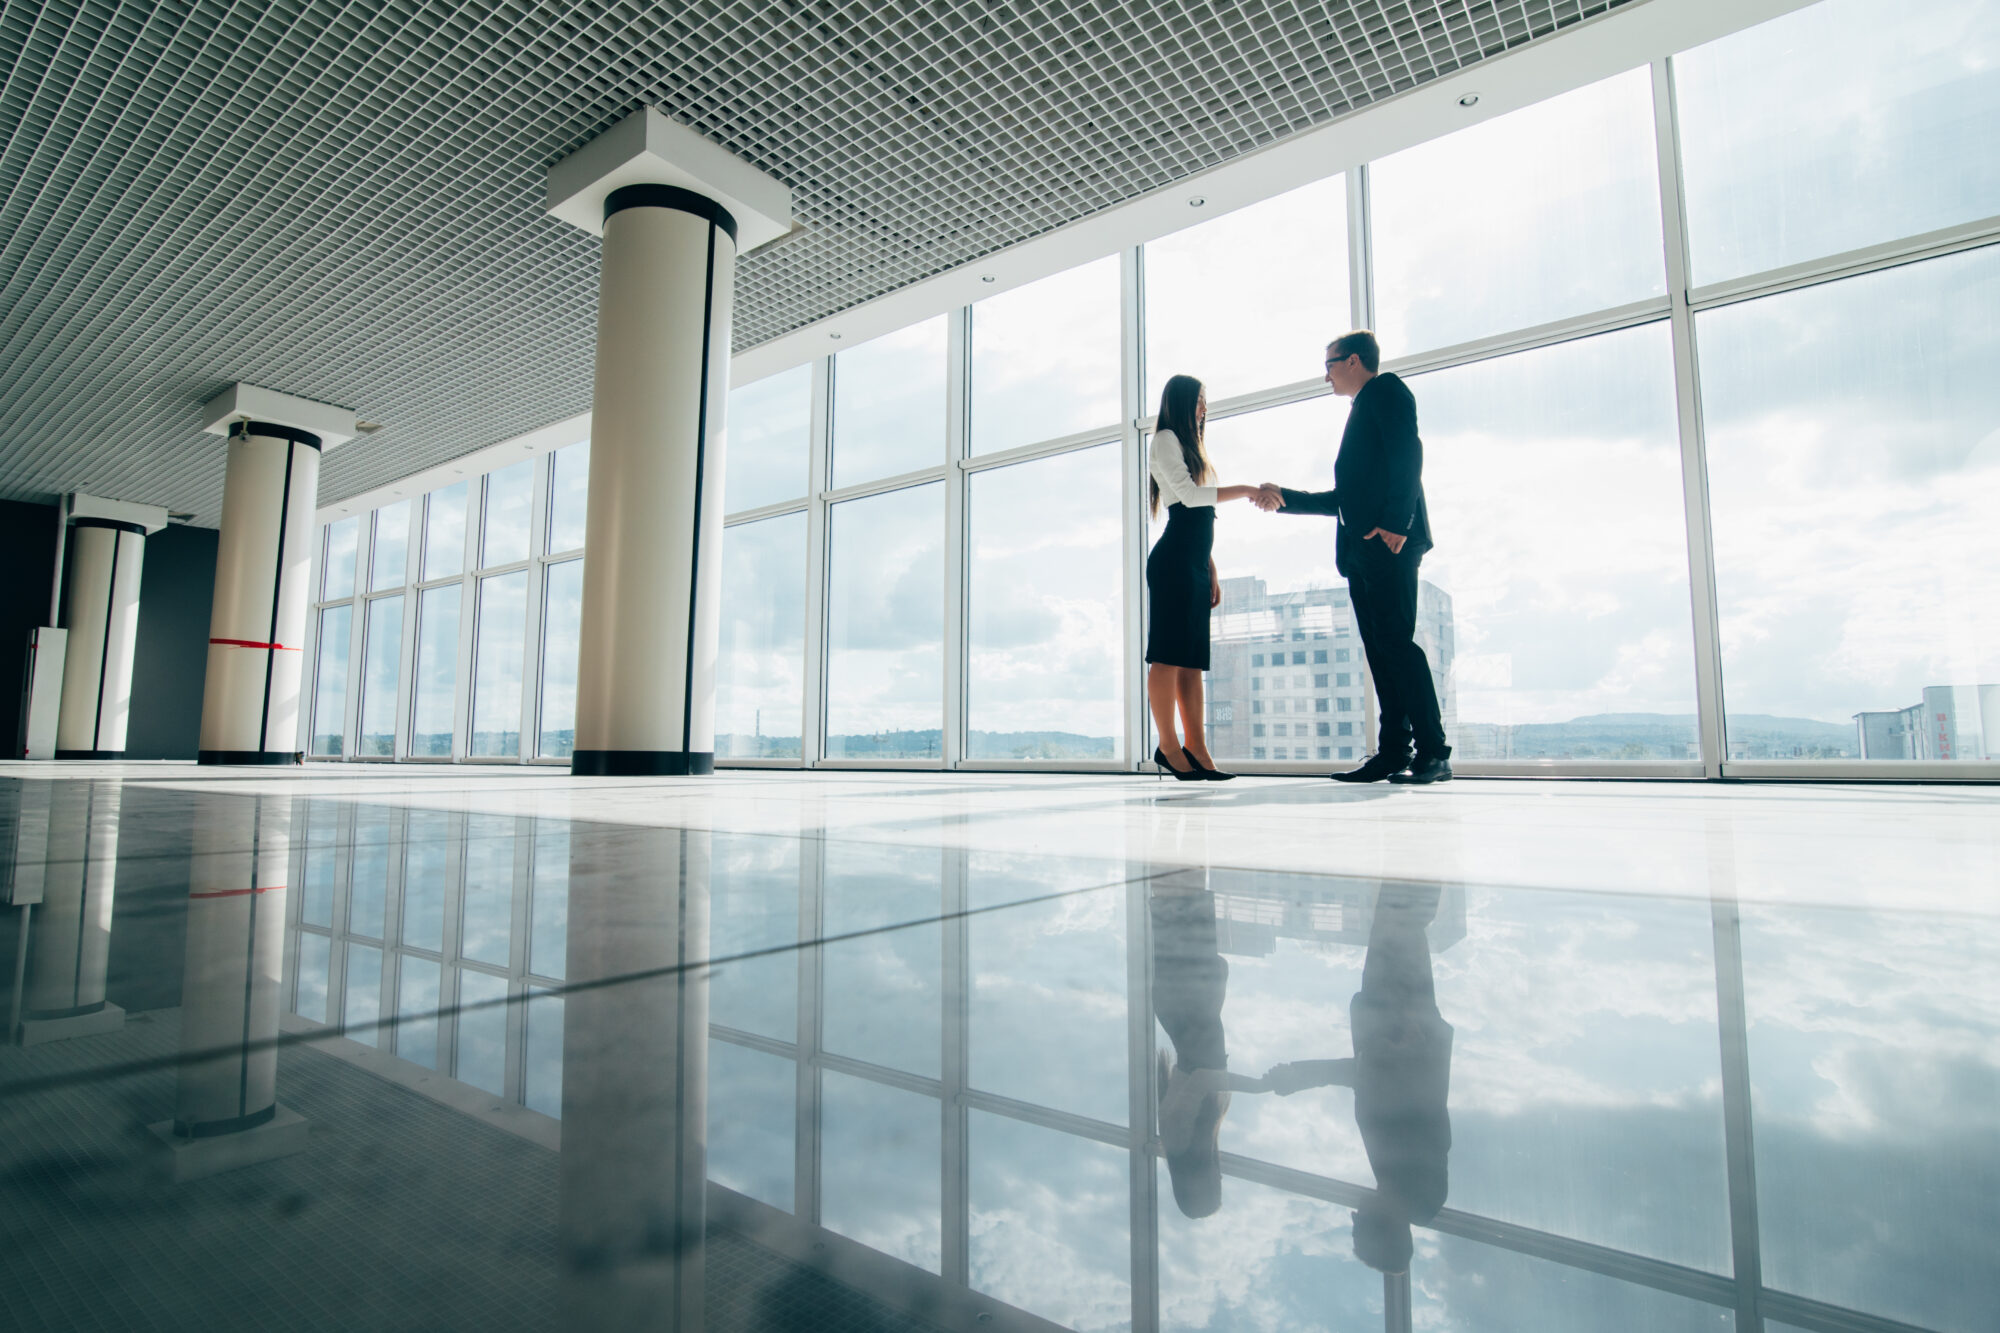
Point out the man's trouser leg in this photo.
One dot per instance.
(1385, 606)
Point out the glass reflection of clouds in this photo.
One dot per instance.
(1536, 1083)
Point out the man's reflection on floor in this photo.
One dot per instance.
(1400, 1073)
(1190, 978)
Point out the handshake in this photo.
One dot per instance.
(1268, 497)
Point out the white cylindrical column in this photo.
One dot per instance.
(101, 611)
(645, 700)
(235, 953)
(70, 953)
(631, 1205)
(263, 563)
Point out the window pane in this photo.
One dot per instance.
(1046, 624)
(760, 678)
(770, 425)
(888, 405)
(751, 1144)
(885, 626)
(562, 627)
(381, 663)
(416, 1010)
(1045, 359)
(1872, 1040)
(1854, 472)
(330, 681)
(482, 1030)
(879, 1153)
(487, 926)
(568, 496)
(391, 560)
(1555, 608)
(444, 532)
(364, 994)
(1835, 127)
(883, 986)
(437, 672)
(1249, 300)
(1547, 212)
(541, 1076)
(341, 537)
(548, 913)
(510, 494)
(368, 881)
(314, 951)
(426, 863)
(498, 663)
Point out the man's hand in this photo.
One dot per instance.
(1393, 540)
(1270, 497)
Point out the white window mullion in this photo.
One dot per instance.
(1132, 364)
(812, 728)
(533, 649)
(958, 373)
(468, 621)
(1694, 457)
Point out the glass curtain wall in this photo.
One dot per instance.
(1699, 353)
(447, 622)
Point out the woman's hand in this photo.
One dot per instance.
(1214, 587)
(1224, 494)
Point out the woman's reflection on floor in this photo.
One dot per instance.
(1190, 978)
(1400, 1073)
(1400, 1070)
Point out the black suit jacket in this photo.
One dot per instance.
(1378, 476)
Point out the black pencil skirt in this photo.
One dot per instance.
(1177, 588)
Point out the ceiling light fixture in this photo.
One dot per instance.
(834, 336)
(1470, 99)
(1197, 201)
(987, 277)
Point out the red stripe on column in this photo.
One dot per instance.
(246, 643)
(234, 893)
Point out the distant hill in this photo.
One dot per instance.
(1657, 736)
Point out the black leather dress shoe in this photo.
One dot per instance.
(1424, 772)
(1377, 768)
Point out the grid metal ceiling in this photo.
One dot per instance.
(342, 199)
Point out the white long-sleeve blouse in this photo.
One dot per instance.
(1170, 470)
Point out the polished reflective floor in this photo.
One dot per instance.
(427, 1047)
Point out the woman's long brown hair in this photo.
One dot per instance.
(1177, 404)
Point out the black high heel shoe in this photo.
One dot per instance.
(1206, 774)
(1160, 758)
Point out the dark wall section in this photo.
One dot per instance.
(172, 658)
(175, 595)
(27, 566)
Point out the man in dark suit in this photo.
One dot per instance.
(1383, 532)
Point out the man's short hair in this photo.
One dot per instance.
(1359, 343)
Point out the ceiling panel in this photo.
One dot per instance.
(344, 200)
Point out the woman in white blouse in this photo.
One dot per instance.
(1180, 577)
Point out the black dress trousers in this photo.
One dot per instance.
(1383, 589)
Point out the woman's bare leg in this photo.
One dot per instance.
(1162, 684)
(1194, 718)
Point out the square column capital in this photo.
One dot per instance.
(333, 425)
(646, 148)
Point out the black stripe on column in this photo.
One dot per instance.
(83, 902)
(700, 460)
(277, 588)
(104, 653)
(669, 196)
(277, 432)
(249, 966)
(115, 524)
(640, 763)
